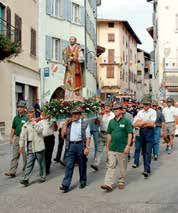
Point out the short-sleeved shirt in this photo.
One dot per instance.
(170, 114)
(119, 131)
(18, 122)
(149, 115)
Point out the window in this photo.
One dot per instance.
(176, 23)
(111, 56)
(57, 8)
(56, 49)
(18, 31)
(139, 72)
(111, 37)
(76, 13)
(110, 71)
(33, 42)
(111, 24)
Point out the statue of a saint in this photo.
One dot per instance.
(73, 81)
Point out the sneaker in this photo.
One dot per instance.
(24, 182)
(169, 151)
(106, 187)
(145, 174)
(82, 185)
(65, 189)
(42, 179)
(134, 166)
(155, 158)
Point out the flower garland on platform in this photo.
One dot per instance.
(61, 109)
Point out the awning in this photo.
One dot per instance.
(151, 31)
(100, 50)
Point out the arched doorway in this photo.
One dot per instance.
(59, 93)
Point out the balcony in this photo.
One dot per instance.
(9, 40)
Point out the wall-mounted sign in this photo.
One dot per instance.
(46, 72)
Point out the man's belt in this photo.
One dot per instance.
(76, 142)
(104, 132)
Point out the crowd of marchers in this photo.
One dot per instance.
(117, 128)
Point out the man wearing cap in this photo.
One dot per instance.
(119, 139)
(17, 124)
(77, 133)
(106, 116)
(170, 113)
(158, 130)
(146, 119)
(31, 138)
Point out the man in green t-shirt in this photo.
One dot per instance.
(17, 124)
(119, 139)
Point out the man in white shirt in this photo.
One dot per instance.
(145, 120)
(106, 116)
(77, 134)
(170, 113)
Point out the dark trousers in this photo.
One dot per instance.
(75, 153)
(147, 140)
(157, 135)
(138, 147)
(49, 147)
(60, 147)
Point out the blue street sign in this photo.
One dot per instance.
(46, 72)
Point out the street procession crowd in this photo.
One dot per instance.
(117, 128)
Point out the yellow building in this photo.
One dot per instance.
(19, 76)
(117, 67)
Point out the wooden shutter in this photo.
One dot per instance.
(33, 42)
(82, 18)
(48, 7)
(48, 47)
(110, 71)
(111, 56)
(8, 14)
(18, 29)
(65, 9)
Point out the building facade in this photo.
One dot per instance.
(144, 75)
(165, 35)
(117, 67)
(20, 77)
(58, 21)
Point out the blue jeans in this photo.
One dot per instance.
(75, 153)
(95, 139)
(147, 140)
(157, 134)
(138, 147)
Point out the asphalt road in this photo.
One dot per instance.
(158, 194)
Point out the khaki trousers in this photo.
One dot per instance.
(113, 159)
(16, 156)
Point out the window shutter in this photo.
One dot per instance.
(48, 47)
(82, 18)
(18, 29)
(110, 71)
(111, 54)
(69, 10)
(48, 7)
(8, 22)
(33, 42)
(65, 13)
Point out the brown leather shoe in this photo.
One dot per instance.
(106, 187)
(121, 185)
(9, 174)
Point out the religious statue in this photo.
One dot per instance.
(73, 81)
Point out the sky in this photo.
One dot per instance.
(137, 12)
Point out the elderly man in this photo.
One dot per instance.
(119, 139)
(17, 124)
(77, 134)
(145, 120)
(31, 138)
(106, 116)
(170, 113)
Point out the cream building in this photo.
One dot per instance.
(20, 77)
(58, 21)
(165, 35)
(117, 67)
